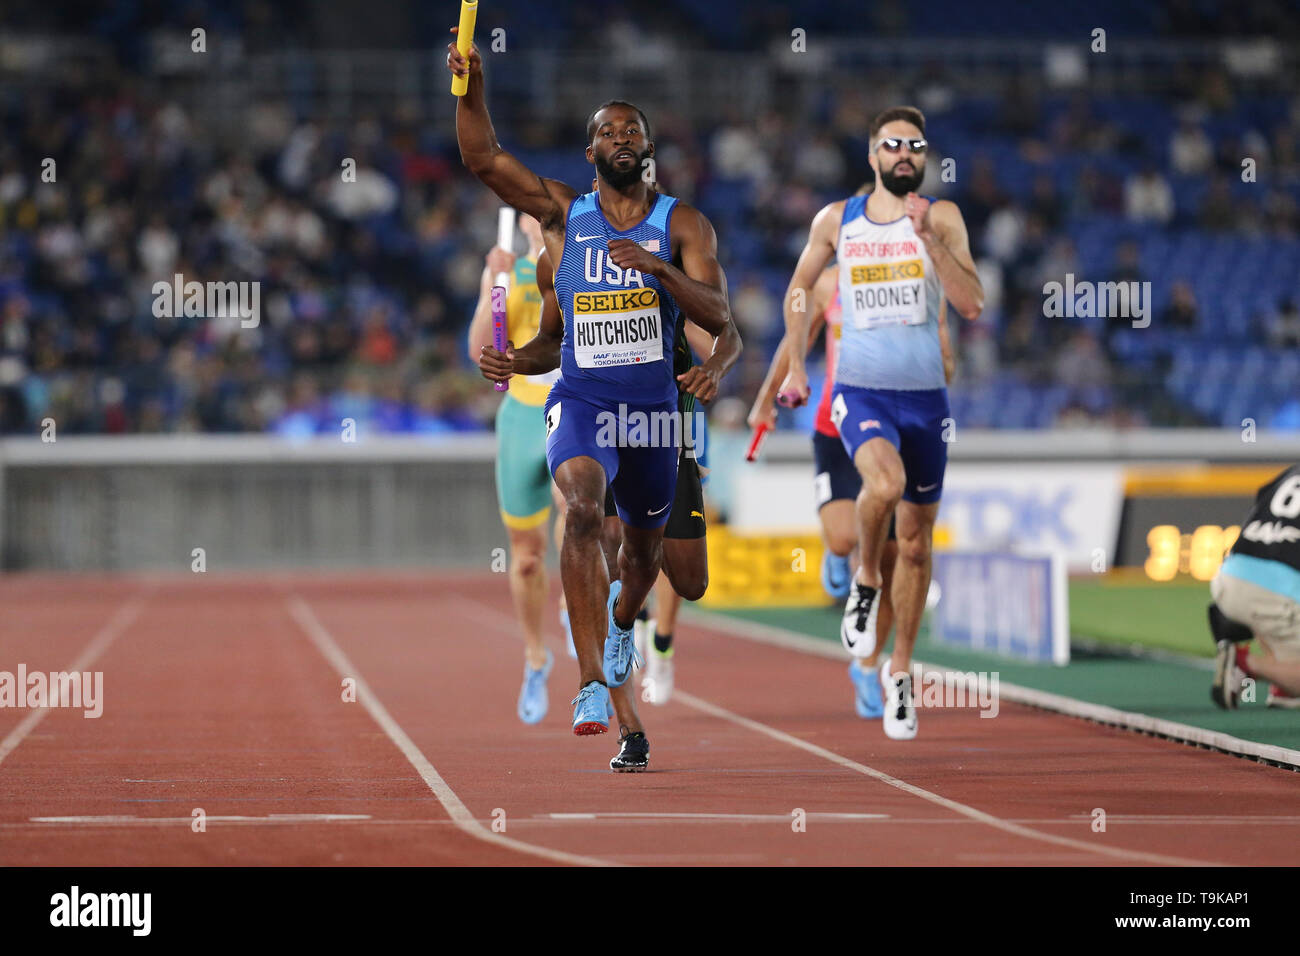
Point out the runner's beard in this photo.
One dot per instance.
(620, 178)
(904, 184)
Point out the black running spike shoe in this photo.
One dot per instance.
(633, 755)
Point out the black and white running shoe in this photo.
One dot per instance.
(858, 626)
(633, 755)
(900, 709)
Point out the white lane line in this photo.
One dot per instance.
(456, 809)
(789, 641)
(558, 819)
(801, 643)
(961, 808)
(123, 618)
(722, 817)
(1195, 819)
(276, 819)
(1057, 703)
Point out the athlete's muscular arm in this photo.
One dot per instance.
(542, 353)
(822, 239)
(764, 409)
(941, 227)
(723, 351)
(546, 200)
(700, 285)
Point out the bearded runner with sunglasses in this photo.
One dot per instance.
(899, 255)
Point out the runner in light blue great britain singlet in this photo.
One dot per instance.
(890, 295)
(616, 360)
(889, 380)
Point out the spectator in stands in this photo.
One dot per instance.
(1060, 259)
(1024, 345)
(737, 152)
(1020, 113)
(1094, 194)
(1286, 148)
(1128, 263)
(1284, 325)
(757, 311)
(1181, 312)
(1024, 270)
(1004, 233)
(1081, 364)
(1127, 270)
(819, 164)
(982, 198)
(977, 352)
(1046, 203)
(1218, 213)
(1280, 214)
(1190, 151)
(1148, 197)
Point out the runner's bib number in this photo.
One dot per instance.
(886, 293)
(621, 327)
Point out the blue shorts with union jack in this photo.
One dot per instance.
(917, 423)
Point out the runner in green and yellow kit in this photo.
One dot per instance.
(524, 489)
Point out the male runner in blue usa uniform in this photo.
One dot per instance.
(898, 255)
(629, 263)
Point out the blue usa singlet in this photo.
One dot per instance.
(619, 324)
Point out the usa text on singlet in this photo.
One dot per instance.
(619, 324)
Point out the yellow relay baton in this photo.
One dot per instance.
(464, 42)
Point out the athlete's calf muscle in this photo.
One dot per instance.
(686, 562)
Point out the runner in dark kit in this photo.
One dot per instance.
(628, 262)
(1257, 597)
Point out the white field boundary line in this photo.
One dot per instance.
(545, 820)
(122, 618)
(783, 818)
(274, 819)
(1069, 706)
(959, 808)
(456, 809)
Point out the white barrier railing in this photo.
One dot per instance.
(145, 501)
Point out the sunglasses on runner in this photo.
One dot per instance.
(893, 144)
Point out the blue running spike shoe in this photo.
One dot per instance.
(533, 701)
(591, 710)
(620, 646)
(568, 632)
(868, 700)
(836, 575)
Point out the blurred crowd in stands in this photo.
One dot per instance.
(367, 286)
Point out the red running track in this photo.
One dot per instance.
(225, 695)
